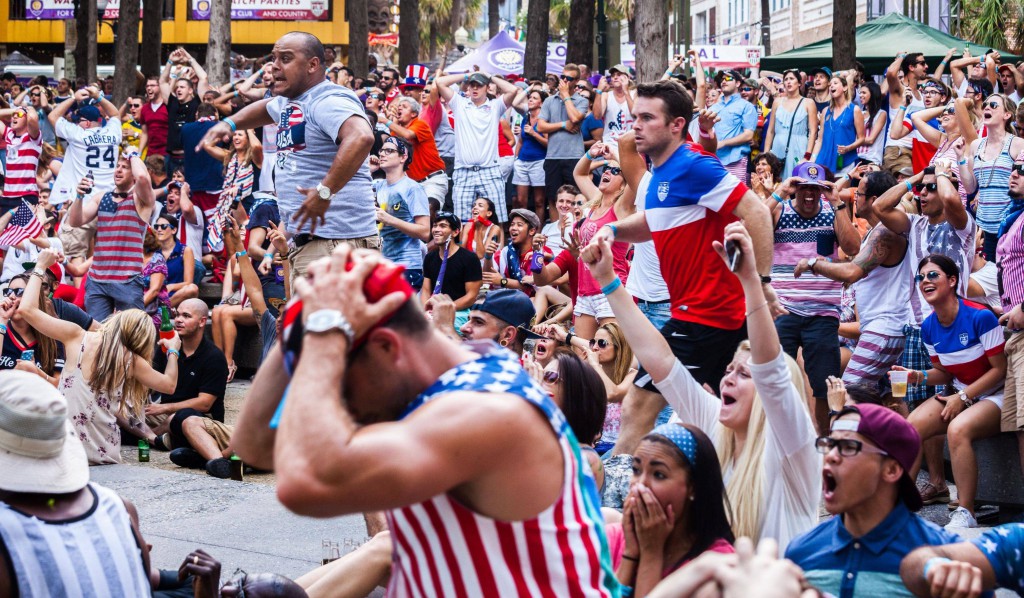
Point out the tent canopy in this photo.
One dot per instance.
(878, 42)
(500, 55)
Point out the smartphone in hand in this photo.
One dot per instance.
(733, 255)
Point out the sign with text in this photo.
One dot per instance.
(65, 9)
(730, 56)
(266, 10)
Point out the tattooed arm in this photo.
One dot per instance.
(881, 248)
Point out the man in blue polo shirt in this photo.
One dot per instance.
(994, 559)
(866, 485)
(736, 128)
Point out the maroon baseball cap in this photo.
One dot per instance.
(893, 434)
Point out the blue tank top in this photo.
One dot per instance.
(532, 149)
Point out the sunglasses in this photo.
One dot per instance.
(727, 78)
(747, 88)
(848, 447)
(599, 343)
(581, 86)
(950, 111)
(19, 113)
(14, 292)
(162, 226)
(551, 377)
(567, 78)
(35, 95)
(921, 187)
(932, 276)
(920, 62)
(1018, 168)
(136, 105)
(993, 104)
(614, 170)
(387, 78)
(387, 151)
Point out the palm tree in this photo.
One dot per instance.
(537, 39)
(844, 34)
(651, 54)
(435, 23)
(408, 32)
(995, 23)
(358, 39)
(580, 42)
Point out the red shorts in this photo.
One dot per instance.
(206, 201)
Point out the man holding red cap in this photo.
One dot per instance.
(422, 425)
(866, 485)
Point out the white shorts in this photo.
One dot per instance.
(528, 174)
(435, 187)
(593, 305)
(505, 166)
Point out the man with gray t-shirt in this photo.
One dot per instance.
(323, 144)
(560, 118)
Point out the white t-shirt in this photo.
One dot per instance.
(554, 238)
(15, 259)
(476, 131)
(792, 466)
(988, 279)
(645, 280)
(88, 149)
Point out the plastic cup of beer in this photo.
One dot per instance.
(898, 378)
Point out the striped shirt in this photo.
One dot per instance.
(117, 256)
(799, 238)
(1010, 259)
(443, 548)
(993, 185)
(22, 160)
(96, 555)
(924, 239)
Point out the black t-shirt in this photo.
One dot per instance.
(463, 266)
(177, 115)
(71, 313)
(265, 214)
(206, 370)
(13, 347)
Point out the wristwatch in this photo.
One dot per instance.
(504, 282)
(324, 192)
(326, 320)
(810, 264)
(963, 397)
(839, 206)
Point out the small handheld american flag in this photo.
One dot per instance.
(24, 225)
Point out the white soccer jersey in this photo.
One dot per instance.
(88, 149)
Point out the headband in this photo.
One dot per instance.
(682, 438)
(401, 144)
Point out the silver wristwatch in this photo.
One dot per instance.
(810, 264)
(326, 320)
(323, 192)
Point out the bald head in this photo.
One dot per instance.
(195, 306)
(309, 44)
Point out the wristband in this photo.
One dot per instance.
(909, 186)
(568, 338)
(236, 93)
(231, 124)
(777, 197)
(807, 155)
(239, 254)
(668, 73)
(465, 77)
(932, 562)
(598, 91)
(924, 377)
(611, 287)
(568, 99)
(703, 134)
(563, 126)
(3, 329)
(174, 352)
(387, 123)
(588, 156)
(268, 257)
(943, 62)
(13, 211)
(902, 109)
(963, 162)
(615, 230)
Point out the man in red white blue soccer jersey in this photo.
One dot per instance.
(689, 201)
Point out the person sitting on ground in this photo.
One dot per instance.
(451, 270)
(154, 275)
(761, 427)
(24, 347)
(53, 521)
(866, 477)
(503, 316)
(118, 359)
(402, 209)
(612, 358)
(482, 228)
(510, 266)
(204, 570)
(965, 343)
(190, 420)
(992, 560)
(265, 307)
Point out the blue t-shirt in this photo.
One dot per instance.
(202, 171)
(738, 115)
(837, 563)
(1002, 547)
(404, 200)
(589, 124)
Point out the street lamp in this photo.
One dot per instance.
(461, 38)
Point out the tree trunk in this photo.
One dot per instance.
(152, 37)
(652, 47)
(456, 15)
(494, 18)
(579, 48)
(218, 54)
(537, 22)
(432, 44)
(126, 52)
(844, 34)
(409, 33)
(766, 27)
(631, 28)
(86, 66)
(358, 39)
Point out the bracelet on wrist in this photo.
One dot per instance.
(587, 155)
(239, 254)
(703, 133)
(568, 338)
(3, 329)
(909, 186)
(615, 230)
(174, 352)
(598, 91)
(777, 197)
(231, 123)
(932, 562)
(611, 287)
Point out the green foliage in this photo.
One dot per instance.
(995, 23)
(438, 13)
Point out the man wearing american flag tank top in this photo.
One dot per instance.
(483, 483)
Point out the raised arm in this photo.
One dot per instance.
(84, 210)
(892, 78)
(953, 208)
(506, 90)
(757, 221)
(581, 173)
(942, 64)
(64, 331)
(962, 569)
(204, 80)
(881, 244)
(444, 83)
(956, 68)
(165, 78)
(61, 109)
(630, 161)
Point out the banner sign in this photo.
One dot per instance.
(266, 10)
(65, 9)
(383, 39)
(730, 56)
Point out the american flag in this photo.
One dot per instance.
(24, 225)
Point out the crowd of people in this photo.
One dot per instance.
(702, 312)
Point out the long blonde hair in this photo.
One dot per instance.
(123, 336)
(623, 352)
(745, 488)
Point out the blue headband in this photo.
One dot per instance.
(681, 437)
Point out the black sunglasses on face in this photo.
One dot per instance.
(568, 78)
(161, 226)
(581, 86)
(14, 292)
(551, 377)
(600, 343)
(614, 170)
(933, 276)
(848, 447)
(993, 104)
(1017, 168)
(921, 187)
(35, 95)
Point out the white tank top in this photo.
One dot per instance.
(882, 295)
(617, 119)
(896, 120)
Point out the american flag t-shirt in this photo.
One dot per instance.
(24, 225)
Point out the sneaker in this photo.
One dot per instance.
(961, 519)
(162, 443)
(188, 458)
(931, 495)
(219, 468)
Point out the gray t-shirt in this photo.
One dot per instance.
(307, 133)
(563, 145)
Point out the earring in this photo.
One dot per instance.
(503, 342)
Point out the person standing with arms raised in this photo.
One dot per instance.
(323, 142)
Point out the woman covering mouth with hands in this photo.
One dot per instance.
(760, 428)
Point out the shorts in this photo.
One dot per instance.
(593, 305)
(817, 336)
(530, 174)
(1013, 390)
(704, 350)
(657, 312)
(505, 166)
(473, 182)
(874, 356)
(301, 257)
(77, 240)
(435, 187)
(895, 157)
(558, 172)
(11, 203)
(915, 357)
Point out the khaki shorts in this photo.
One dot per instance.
(1013, 391)
(77, 240)
(219, 431)
(895, 157)
(301, 257)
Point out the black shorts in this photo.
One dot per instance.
(704, 350)
(557, 172)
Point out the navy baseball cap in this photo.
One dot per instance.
(91, 113)
(508, 305)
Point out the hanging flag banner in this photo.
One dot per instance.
(266, 10)
(65, 9)
(383, 39)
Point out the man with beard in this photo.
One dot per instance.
(422, 425)
(153, 119)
